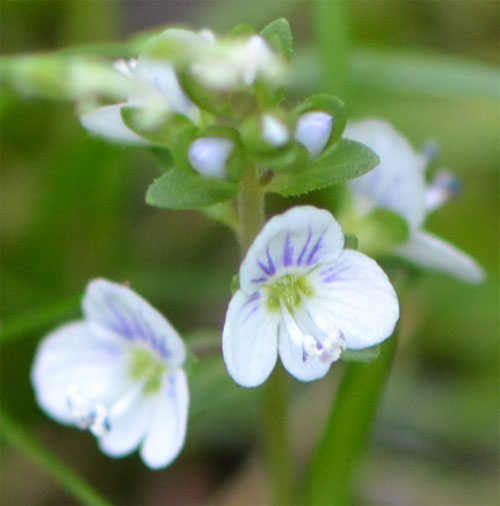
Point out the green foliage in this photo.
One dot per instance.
(20, 439)
(365, 355)
(279, 36)
(342, 161)
(178, 189)
(161, 133)
(351, 241)
(380, 231)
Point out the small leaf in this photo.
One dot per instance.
(235, 284)
(365, 355)
(350, 241)
(380, 231)
(279, 36)
(222, 212)
(342, 161)
(178, 189)
(163, 134)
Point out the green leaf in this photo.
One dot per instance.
(365, 355)
(235, 283)
(20, 439)
(177, 189)
(165, 133)
(380, 231)
(351, 241)
(279, 36)
(342, 161)
(326, 103)
(223, 212)
(329, 477)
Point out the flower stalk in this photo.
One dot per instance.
(274, 408)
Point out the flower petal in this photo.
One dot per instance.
(107, 122)
(71, 358)
(250, 339)
(208, 156)
(313, 131)
(427, 250)
(292, 356)
(293, 241)
(354, 294)
(162, 77)
(128, 428)
(115, 311)
(397, 182)
(165, 436)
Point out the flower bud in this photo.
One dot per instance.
(313, 131)
(209, 155)
(274, 132)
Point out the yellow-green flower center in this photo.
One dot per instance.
(289, 290)
(146, 367)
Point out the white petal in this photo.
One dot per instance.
(116, 312)
(161, 76)
(313, 131)
(293, 241)
(354, 294)
(292, 355)
(427, 250)
(442, 188)
(71, 358)
(250, 339)
(127, 429)
(167, 430)
(208, 156)
(397, 183)
(274, 131)
(107, 122)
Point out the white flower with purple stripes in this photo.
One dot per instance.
(117, 373)
(398, 183)
(304, 297)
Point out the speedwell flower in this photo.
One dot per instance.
(303, 296)
(117, 373)
(157, 91)
(398, 183)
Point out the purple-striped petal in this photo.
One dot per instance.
(295, 241)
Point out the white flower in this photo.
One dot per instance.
(274, 132)
(302, 296)
(156, 89)
(118, 373)
(230, 66)
(313, 130)
(398, 183)
(209, 155)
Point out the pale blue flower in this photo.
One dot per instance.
(398, 183)
(304, 297)
(118, 372)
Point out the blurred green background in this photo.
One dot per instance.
(72, 208)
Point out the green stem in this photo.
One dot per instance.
(274, 399)
(347, 429)
(331, 21)
(250, 209)
(22, 441)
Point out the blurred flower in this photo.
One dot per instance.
(398, 183)
(157, 92)
(313, 130)
(117, 373)
(239, 63)
(274, 131)
(208, 156)
(305, 297)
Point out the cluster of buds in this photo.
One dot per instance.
(214, 104)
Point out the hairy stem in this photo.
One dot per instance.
(274, 412)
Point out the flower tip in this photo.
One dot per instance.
(274, 131)
(313, 130)
(209, 155)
